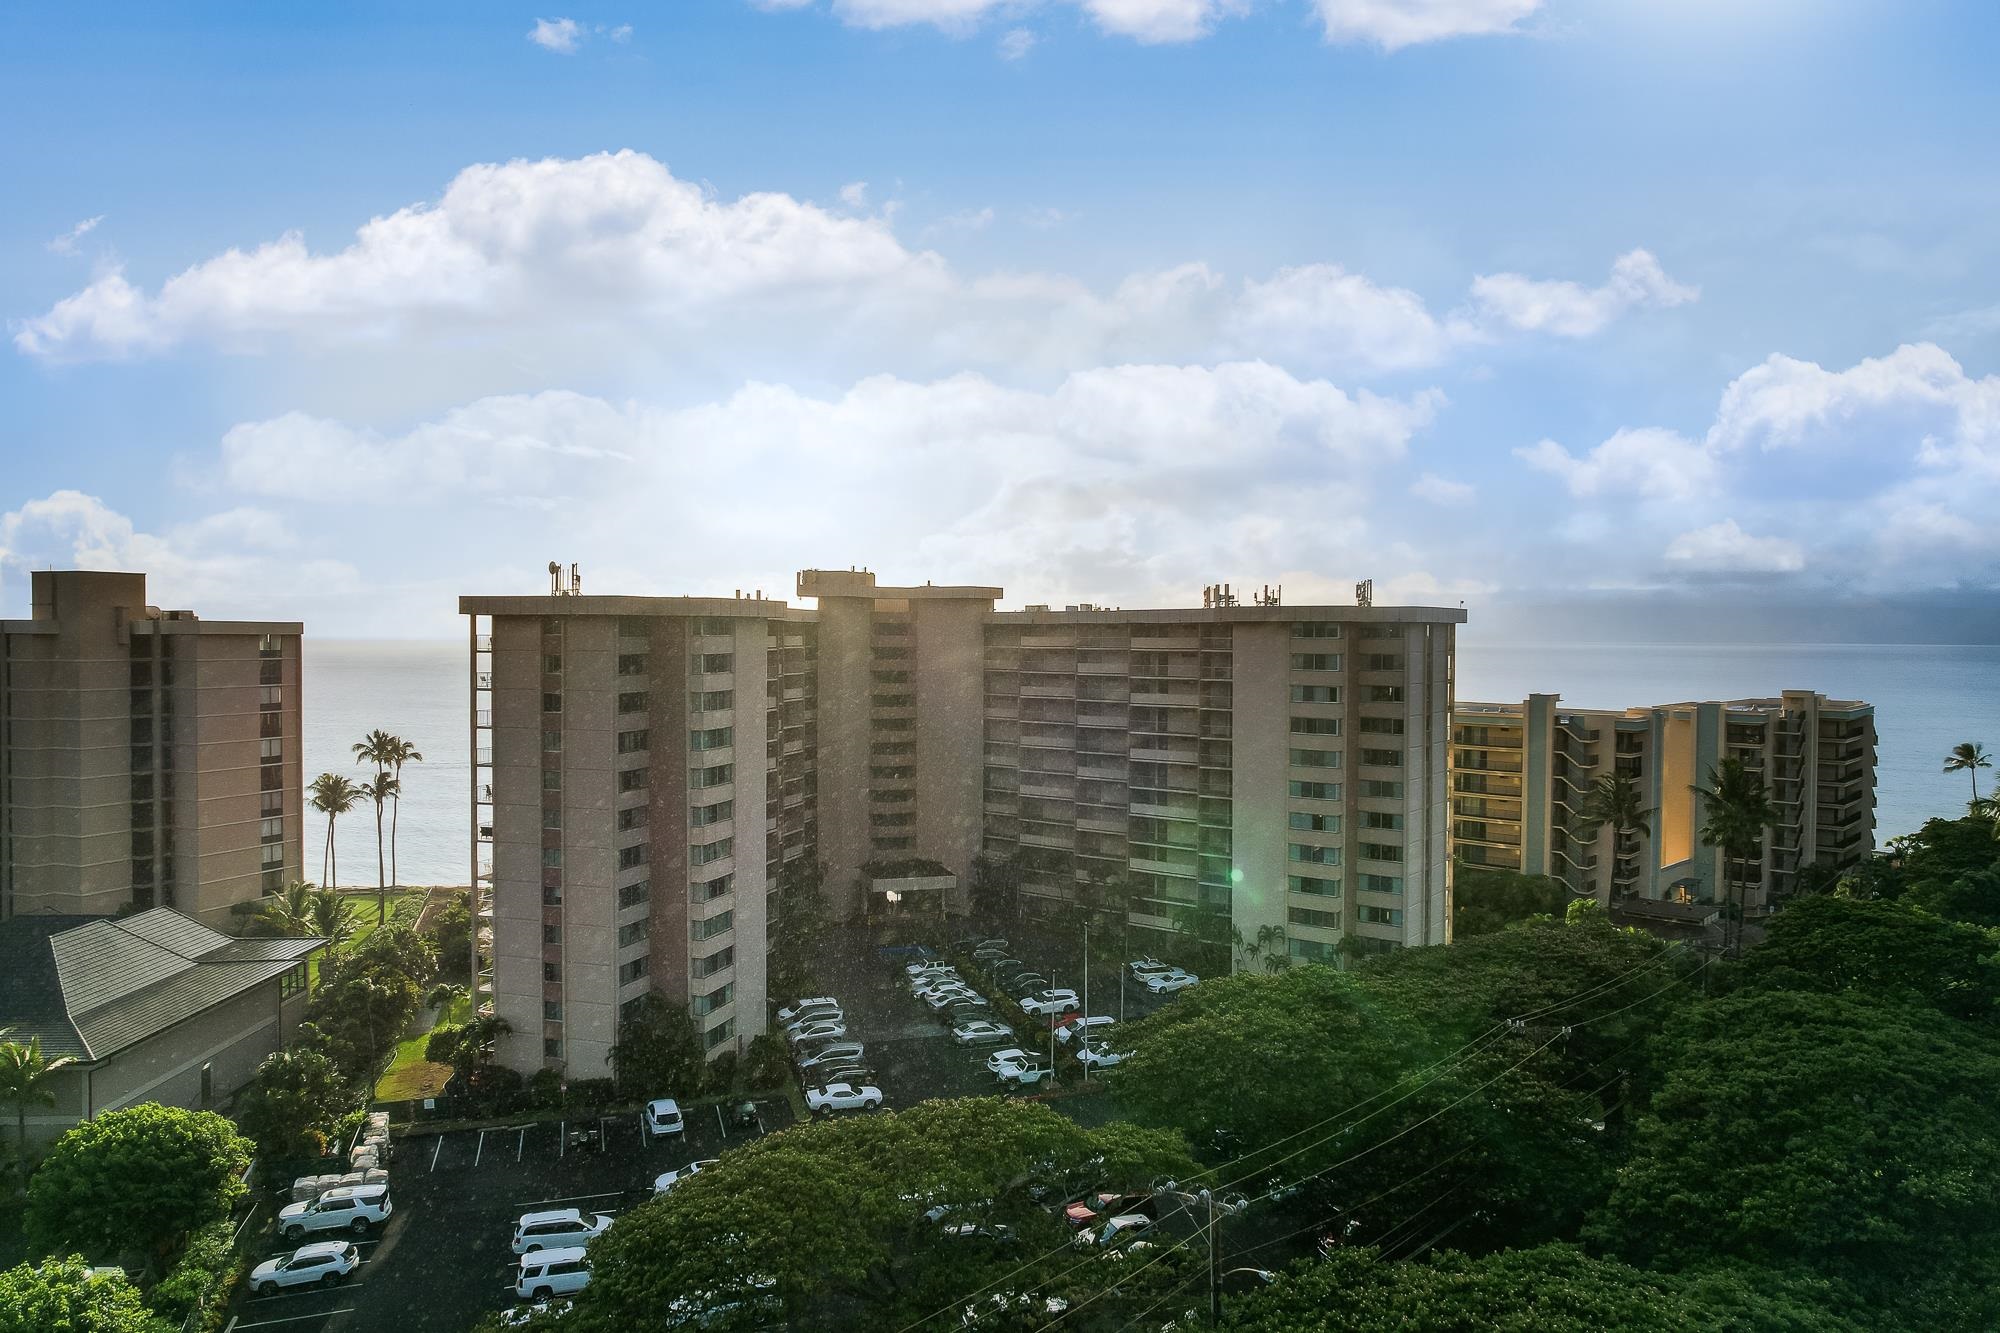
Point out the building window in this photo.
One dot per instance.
(1317, 886)
(551, 664)
(1383, 758)
(551, 895)
(551, 816)
(1379, 916)
(704, 815)
(892, 747)
(552, 858)
(710, 701)
(551, 934)
(1314, 791)
(1314, 823)
(271, 750)
(706, 853)
(551, 780)
(710, 664)
(1315, 759)
(633, 779)
(721, 996)
(635, 742)
(628, 1012)
(1385, 694)
(631, 895)
(632, 627)
(1315, 661)
(707, 928)
(713, 738)
(632, 932)
(710, 889)
(552, 1047)
(1316, 726)
(1382, 884)
(631, 664)
(714, 625)
(1306, 916)
(1380, 790)
(552, 1011)
(1382, 726)
(632, 818)
(1382, 662)
(551, 972)
(551, 741)
(1313, 951)
(721, 960)
(633, 701)
(1311, 855)
(716, 775)
(1381, 851)
(1315, 694)
(719, 1034)
(632, 971)
(1316, 631)
(628, 857)
(1381, 819)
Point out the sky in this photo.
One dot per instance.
(335, 313)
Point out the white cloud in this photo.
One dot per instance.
(952, 16)
(1442, 491)
(1321, 314)
(1155, 22)
(1016, 43)
(65, 244)
(1042, 219)
(1394, 24)
(1724, 548)
(970, 219)
(1646, 461)
(621, 34)
(562, 36)
(1916, 391)
(1574, 311)
(854, 194)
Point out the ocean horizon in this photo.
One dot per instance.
(1927, 698)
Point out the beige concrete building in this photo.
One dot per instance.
(645, 767)
(1521, 774)
(147, 757)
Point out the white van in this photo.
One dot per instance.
(553, 1273)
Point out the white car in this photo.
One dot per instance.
(1141, 966)
(1120, 1230)
(663, 1116)
(813, 1018)
(826, 1030)
(998, 1058)
(558, 1228)
(546, 1273)
(981, 1030)
(845, 1052)
(1099, 1057)
(791, 1012)
(666, 1180)
(1051, 1002)
(351, 1207)
(1164, 983)
(950, 995)
(1078, 1027)
(926, 969)
(325, 1261)
(926, 984)
(843, 1097)
(1026, 1073)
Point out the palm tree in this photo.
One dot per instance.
(289, 911)
(1738, 809)
(1614, 799)
(1968, 757)
(395, 752)
(331, 918)
(381, 789)
(332, 796)
(24, 1075)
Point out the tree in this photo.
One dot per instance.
(331, 917)
(66, 1294)
(1855, 1135)
(995, 880)
(658, 1052)
(468, 1047)
(1549, 1289)
(332, 796)
(1484, 899)
(24, 1078)
(296, 1094)
(367, 997)
(1614, 799)
(381, 789)
(450, 929)
(1737, 811)
(1886, 950)
(142, 1178)
(797, 933)
(288, 911)
(832, 1215)
(400, 752)
(1968, 757)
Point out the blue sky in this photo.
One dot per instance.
(1098, 299)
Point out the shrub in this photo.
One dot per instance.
(593, 1094)
(442, 1045)
(722, 1071)
(207, 1257)
(545, 1090)
(767, 1065)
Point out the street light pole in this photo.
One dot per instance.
(1083, 1039)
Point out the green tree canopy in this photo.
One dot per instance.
(658, 1052)
(139, 1179)
(1855, 1135)
(797, 933)
(295, 1098)
(65, 1296)
(1484, 901)
(1887, 950)
(1549, 1289)
(832, 1214)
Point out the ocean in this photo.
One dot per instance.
(1927, 699)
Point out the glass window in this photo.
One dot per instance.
(633, 742)
(633, 701)
(1382, 884)
(1315, 694)
(1382, 726)
(1316, 631)
(1315, 661)
(1314, 823)
(1318, 726)
(1381, 851)
(1315, 759)
(1383, 758)
(1318, 886)
(1314, 791)
(631, 895)
(1306, 916)
(1380, 916)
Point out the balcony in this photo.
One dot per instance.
(1479, 761)
(1159, 756)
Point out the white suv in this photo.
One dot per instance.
(558, 1228)
(351, 1207)
(553, 1273)
(663, 1117)
(325, 1261)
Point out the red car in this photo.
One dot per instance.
(1101, 1204)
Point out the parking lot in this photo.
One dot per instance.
(444, 1259)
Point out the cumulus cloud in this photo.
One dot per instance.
(1647, 461)
(854, 194)
(589, 259)
(1394, 24)
(562, 36)
(1016, 43)
(1571, 310)
(1724, 548)
(1159, 21)
(1442, 490)
(66, 243)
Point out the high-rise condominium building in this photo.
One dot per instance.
(148, 758)
(1521, 774)
(646, 767)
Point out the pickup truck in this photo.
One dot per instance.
(1025, 1074)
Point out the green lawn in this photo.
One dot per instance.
(410, 1076)
(365, 923)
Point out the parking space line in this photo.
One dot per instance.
(571, 1198)
(562, 1138)
(304, 1291)
(292, 1319)
(481, 1149)
(520, 1143)
(435, 1151)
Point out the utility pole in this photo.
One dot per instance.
(1216, 1209)
(1083, 1037)
(1214, 1283)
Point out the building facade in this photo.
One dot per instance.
(147, 758)
(1522, 772)
(644, 768)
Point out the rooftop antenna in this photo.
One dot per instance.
(1364, 593)
(575, 581)
(555, 579)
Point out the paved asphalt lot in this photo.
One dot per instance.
(444, 1258)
